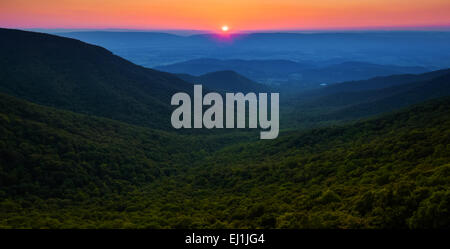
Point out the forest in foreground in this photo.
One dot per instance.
(66, 170)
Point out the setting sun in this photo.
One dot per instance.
(225, 28)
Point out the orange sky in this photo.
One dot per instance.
(212, 14)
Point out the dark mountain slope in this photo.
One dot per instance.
(73, 75)
(381, 82)
(225, 81)
(355, 70)
(396, 97)
(349, 101)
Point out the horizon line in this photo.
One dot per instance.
(437, 27)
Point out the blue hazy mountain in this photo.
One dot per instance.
(290, 72)
(228, 81)
(408, 48)
(250, 68)
(257, 70)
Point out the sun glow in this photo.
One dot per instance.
(214, 15)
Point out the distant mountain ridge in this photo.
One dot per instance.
(279, 71)
(151, 49)
(249, 68)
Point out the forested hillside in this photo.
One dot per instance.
(391, 172)
(53, 153)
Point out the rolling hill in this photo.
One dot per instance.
(225, 81)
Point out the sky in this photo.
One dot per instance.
(238, 15)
